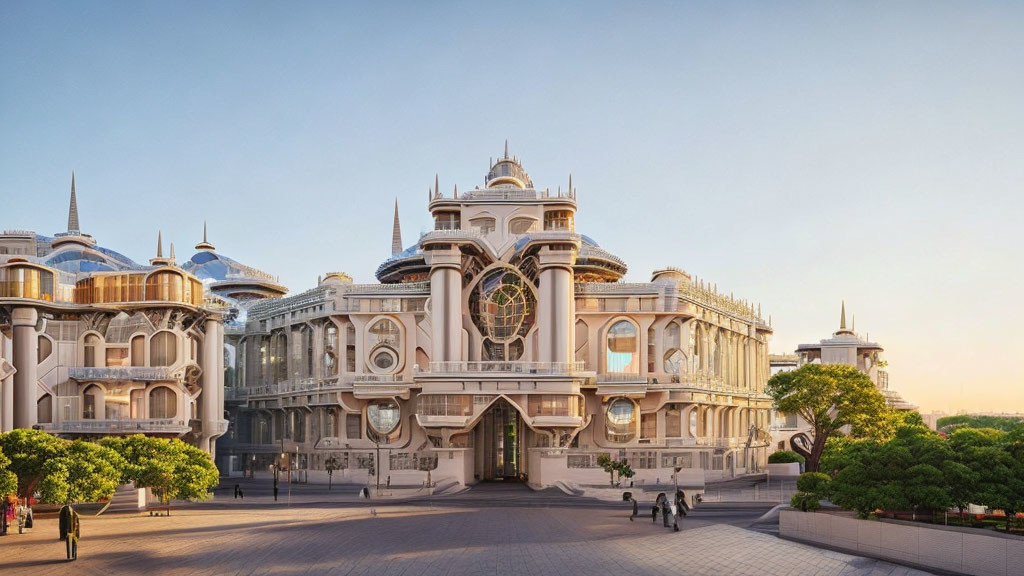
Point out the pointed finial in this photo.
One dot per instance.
(842, 318)
(853, 323)
(172, 252)
(506, 148)
(570, 183)
(73, 209)
(204, 231)
(455, 194)
(437, 188)
(159, 244)
(396, 233)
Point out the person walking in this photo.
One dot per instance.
(74, 532)
(64, 523)
(236, 491)
(657, 507)
(275, 488)
(628, 497)
(3, 515)
(666, 509)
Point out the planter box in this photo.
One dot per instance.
(789, 469)
(945, 548)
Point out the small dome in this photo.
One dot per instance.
(507, 171)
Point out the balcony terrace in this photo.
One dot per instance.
(122, 373)
(125, 426)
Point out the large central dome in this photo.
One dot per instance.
(507, 171)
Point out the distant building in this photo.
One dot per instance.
(844, 347)
(93, 343)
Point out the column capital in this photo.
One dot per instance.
(24, 317)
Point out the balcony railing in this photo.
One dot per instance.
(121, 373)
(532, 368)
(126, 426)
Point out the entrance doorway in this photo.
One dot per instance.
(498, 438)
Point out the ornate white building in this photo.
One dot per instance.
(501, 345)
(92, 343)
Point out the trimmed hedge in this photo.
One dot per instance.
(785, 457)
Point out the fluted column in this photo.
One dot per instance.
(445, 304)
(556, 306)
(26, 360)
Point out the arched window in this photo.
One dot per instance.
(484, 224)
(279, 356)
(330, 349)
(672, 335)
(383, 418)
(306, 335)
(692, 424)
(45, 348)
(385, 331)
(163, 349)
(44, 408)
(91, 402)
(622, 353)
(92, 342)
(521, 225)
(163, 403)
(582, 342)
(139, 350)
(620, 420)
(674, 361)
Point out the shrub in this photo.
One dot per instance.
(812, 487)
(785, 457)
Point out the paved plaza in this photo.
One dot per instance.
(259, 537)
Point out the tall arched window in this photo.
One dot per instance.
(45, 348)
(92, 343)
(163, 349)
(91, 402)
(582, 342)
(622, 353)
(163, 403)
(306, 340)
(279, 357)
(44, 408)
(139, 350)
(330, 349)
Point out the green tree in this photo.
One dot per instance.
(975, 437)
(85, 472)
(171, 468)
(829, 397)
(29, 451)
(784, 457)
(8, 480)
(812, 488)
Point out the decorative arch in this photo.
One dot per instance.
(163, 402)
(45, 348)
(163, 348)
(622, 346)
(91, 348)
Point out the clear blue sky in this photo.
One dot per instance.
(794, 153)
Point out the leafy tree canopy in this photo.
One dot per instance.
(830, 397)
(8, 481)
(173, 468)
(949, 423)
(84, 472)
(29, 451)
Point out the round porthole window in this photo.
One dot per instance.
(383, 416)
(621, 420)
(384, 360)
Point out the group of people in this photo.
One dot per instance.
(14, 510)
(676, 508)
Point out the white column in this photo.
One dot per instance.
(213, 382)
(26, 360)
(7, 388)
(445, 304)
(556, 308)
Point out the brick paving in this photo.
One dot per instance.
(412, 540)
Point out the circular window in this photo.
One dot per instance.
(383, 416)
(384, 360)
(621, 420)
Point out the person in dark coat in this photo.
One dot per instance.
(236, 491)
(657, 507)
(65, 521)
(3, 516)
(74, 532)
(666, 510)
(275, 488)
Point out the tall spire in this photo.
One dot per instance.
(396, 233)
(73, 209)
(159, 244)
(205, 244)
(842, 318)
(506, 148)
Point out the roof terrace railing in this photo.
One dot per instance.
(121, 373)
(490, 367)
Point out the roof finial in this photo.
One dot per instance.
(455, 194)
(159, 244)
(205, 244)
(204, 231)
(570, 184)
(853, 323)
(842, 318)
(396, 233)
(172, 252)
(73, 209)
(506, 148)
